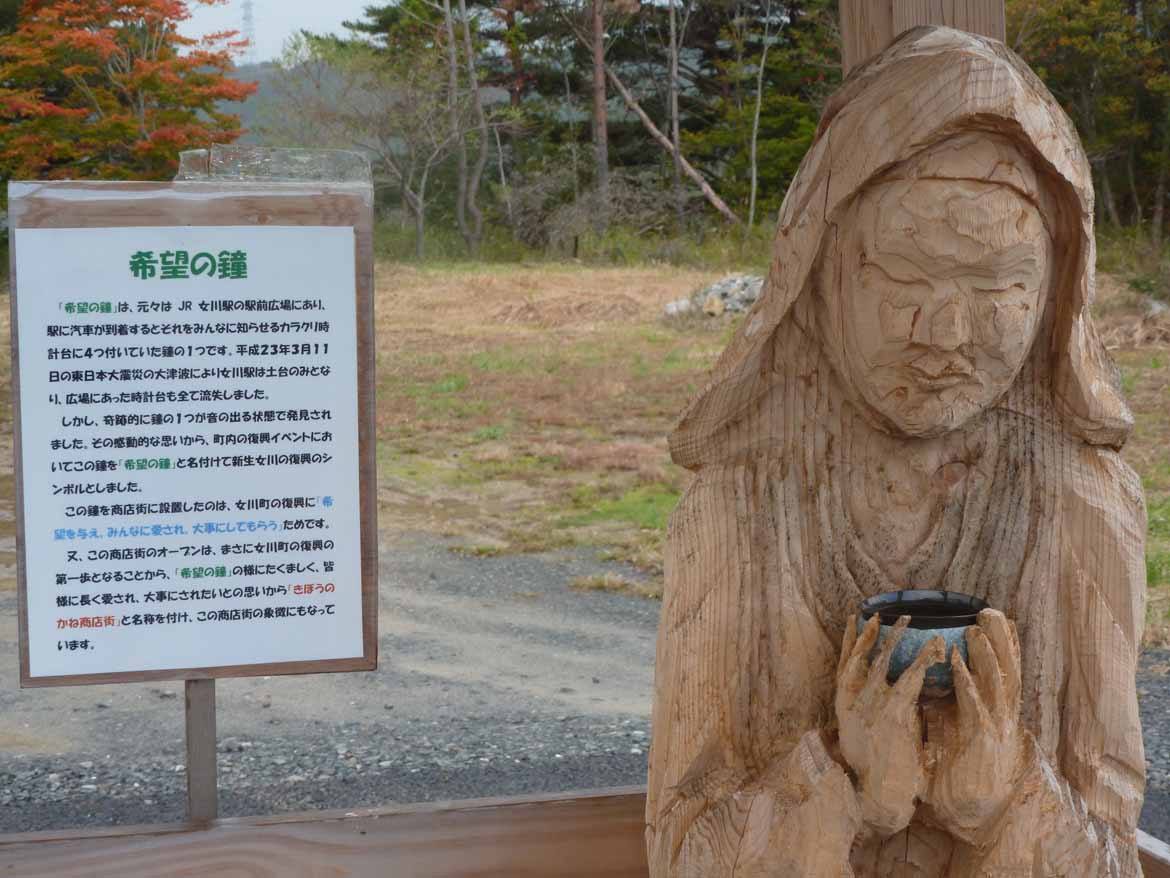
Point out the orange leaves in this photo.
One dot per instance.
(20, 104)
(102, 43)
(109, 89)
(178, 136)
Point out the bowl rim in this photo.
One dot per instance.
(967, 607)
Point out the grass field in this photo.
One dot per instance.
(527, 408)
(523, 408)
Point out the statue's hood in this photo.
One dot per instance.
(933, 83)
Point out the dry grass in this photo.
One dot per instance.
(1141, 347)
(618, 585)
(1146, 374)
(527, 409)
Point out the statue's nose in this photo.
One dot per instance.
(949, 327)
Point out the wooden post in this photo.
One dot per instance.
(202, 782)
(868, 26)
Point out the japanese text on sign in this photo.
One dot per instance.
(189, 451)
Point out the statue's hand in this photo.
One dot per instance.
(880, 729)
(976, 745)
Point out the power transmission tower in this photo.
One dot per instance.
(249, 31)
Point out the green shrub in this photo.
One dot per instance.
(1127, 253)
(719, 246)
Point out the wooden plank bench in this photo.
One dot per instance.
(576, 835)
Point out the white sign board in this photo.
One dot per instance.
(188, 433)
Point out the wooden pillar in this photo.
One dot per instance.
(868, 26)
(202, 777)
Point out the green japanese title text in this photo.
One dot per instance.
(180, 264)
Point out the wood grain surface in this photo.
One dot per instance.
(585, 835)
(597, 834)
(868, 26)
(1155, 856)
(202, 776)
(67, 205)
(918, 400)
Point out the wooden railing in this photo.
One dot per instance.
(576, 835)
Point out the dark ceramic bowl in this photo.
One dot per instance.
(947, 614)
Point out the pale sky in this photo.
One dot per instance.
(276, 20)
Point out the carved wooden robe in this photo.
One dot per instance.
(808, 498)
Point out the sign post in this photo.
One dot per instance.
(202, 776)
(193, 392)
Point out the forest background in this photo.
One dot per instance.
(601, 130)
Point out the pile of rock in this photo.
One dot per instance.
(736, 292)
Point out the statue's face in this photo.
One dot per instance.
(940, 285)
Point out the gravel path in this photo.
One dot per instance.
(1154, 702)
(495, 679)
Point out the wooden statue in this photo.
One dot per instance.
(918, 400)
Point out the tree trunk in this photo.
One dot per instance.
(417, 203)
(1157, 221)
(1138, 213)
(516, 59)
(718, 203)
(756, 116)
(456, 129)
(503, 177)
(600, 117)
(572, 136)
(1108, 202)
(420, 217)
(472, 188)
(679, 195)
(739, 45)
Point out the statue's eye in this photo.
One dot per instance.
(1000, 290)
(897, 323)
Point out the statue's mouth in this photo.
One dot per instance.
(935, 370)
(940, 383)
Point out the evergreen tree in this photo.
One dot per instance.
(801, 67)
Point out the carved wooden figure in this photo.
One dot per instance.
(919, 400)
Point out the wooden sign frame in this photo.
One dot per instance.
(74, 205)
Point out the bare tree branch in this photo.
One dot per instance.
(481, 123)
(712, 197)
(753, 150)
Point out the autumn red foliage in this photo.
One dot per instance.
(109, 89)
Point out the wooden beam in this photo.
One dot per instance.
(572, 835)
(1155, 855)
(868, 26)
(202, 779)
(577, 836)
